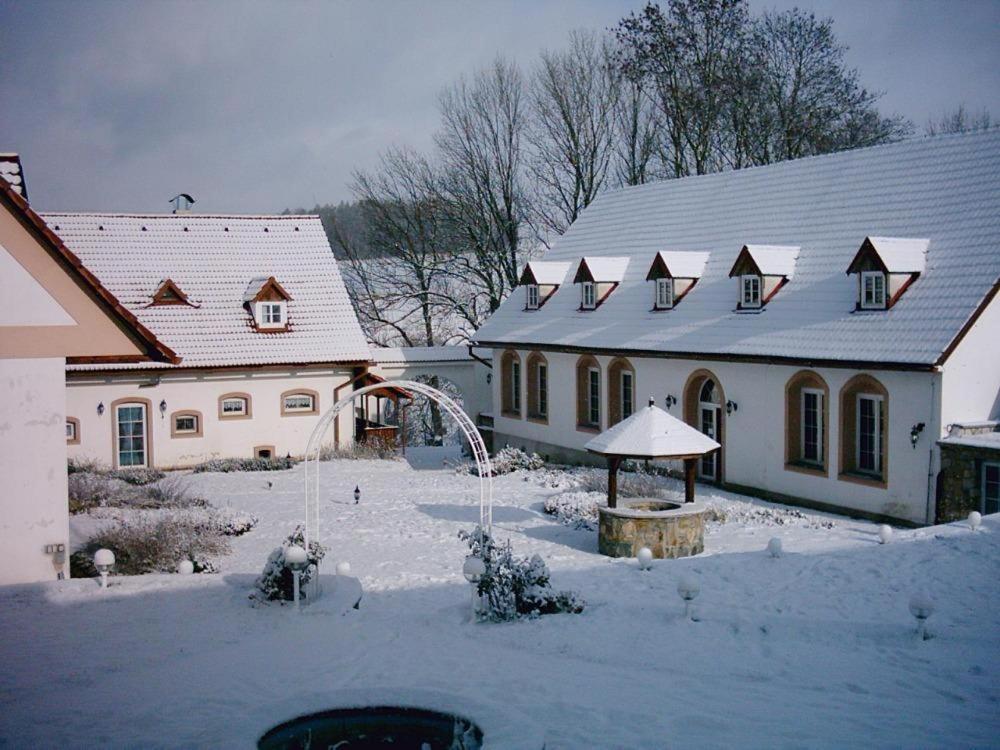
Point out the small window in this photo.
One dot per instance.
(299, 402)
(627, 394)
(72, 430)
(515, 386)
(532, 296)
(186, 423)
(869, 437)
(664, 294)
(872, 290)
(263, 451)
(589, 295)
(543, 390)
(991, 488)
(811, 432)
(751, 291)
(234, 406)
(271, 315)
(594, 396)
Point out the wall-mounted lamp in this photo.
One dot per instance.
(489, 378)
(732, 406)
(670, 401)
(163, 408)
(100, 409)
(915, 433)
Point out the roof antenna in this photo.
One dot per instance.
(182, 203)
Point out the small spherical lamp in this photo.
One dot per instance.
(104, 561)
(884, 533)
(645, 558)
(185, 568)
(688, 588)
(975, 519)
(774, 547)
(296, 559)
(343, 569)
(921, 607)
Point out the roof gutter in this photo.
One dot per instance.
(478, 358)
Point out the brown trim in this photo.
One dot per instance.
(744, 256)
(258, 448)
(778, 288)
(862, 383)
(507, 360)
(169, 287)
(300, 392)
(899, 292)
(867, 250)
(236, 394)
(690, 400)
(584, 364)
(215, 368)
(271, 285)
(113, 411)
(199, 432)
(75, 440)
(793, 420)
(125, 320)
(853, 364)
(969, 323)
(615, 406)
(658, 269)
(532, 361)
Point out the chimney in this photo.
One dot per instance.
(182, 203)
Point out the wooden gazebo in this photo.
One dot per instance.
(652, 434)
(370, 419)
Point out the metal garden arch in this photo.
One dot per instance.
(469, 430)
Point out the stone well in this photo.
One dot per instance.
(668, 529)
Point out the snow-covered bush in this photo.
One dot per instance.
(246, 464)
(139, 476)
(147, 543)
(88, 490)
(276, 583)
(637, 483)
(516, 587)
(505, 461)
(85, 465)
(232, 522)
(372, 450)
(577, 509)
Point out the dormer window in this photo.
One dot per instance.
(664, 294)
(762, 270)
(270, 314)
(674, 273)
(168, 293)
(886, 267)
(588, 298)
(540, 281)
(531, 294)
(267, 302)
(598, 278)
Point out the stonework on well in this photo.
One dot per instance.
(668, 529)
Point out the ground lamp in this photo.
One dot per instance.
(774, 547)
(688, 588)
(343, 569)
(474, 569)
(357, 494)
(185, 568)
(975, 518)
(104, 561)
(921, 607)
(296, 559)
(645, 558)
(884, 533)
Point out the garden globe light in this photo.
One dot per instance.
(343, 569)
(296, 559)
(645, 558)
(975, 518)
(688, 588)
(774, 547)
(104, 560)
(474, 569)
(185, 568)
(921, 607)
(884, 533)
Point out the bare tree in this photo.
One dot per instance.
(637, 138)
(959, 121)
(574, 93)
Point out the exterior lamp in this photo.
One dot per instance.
(100, 409)
(104, 561)
(774, 547)
(343, 569)
(645, 558)
(884, 533)
(915, 433)
(688, 588)
(670, 401)
(296, 559)
(921, 607)
(975, 518)
(731, 406)
(185, 568)
(489, 378)
(357, 494)
(474, 569)
(163, 408)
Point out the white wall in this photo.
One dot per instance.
(33, 504)
(754, 435)
(971, 387)
(198, 391)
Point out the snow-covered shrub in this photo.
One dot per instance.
(148, 543)
(85, 465)
(246, 464)
(88, 490)
(232, 522)
(637, 483)
(372, 450)
(276, 583)
(138, 476)
(577, 509)
(505, 461)
(172, 492)
(515, 587)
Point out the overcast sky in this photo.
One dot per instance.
(254, 107)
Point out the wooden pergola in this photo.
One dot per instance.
(371, 425)
(651, 434)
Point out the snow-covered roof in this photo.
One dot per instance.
(406, 354)
(681, 264)
(900, 255)
(602, 270)
(988, 440)
(773, 260)
(542, 272)
(943, 188)
(652, 433)
(10, 170)
(216, 260)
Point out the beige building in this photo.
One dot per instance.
(56, 312)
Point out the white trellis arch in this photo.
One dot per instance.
(479, 453)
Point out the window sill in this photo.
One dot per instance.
(511, 414)
(538, 419)
(227, 417)
(803, 468)
(588, 428)
(310, 413)
(181, 435)
(867, 480)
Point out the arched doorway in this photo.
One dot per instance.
(703, 402)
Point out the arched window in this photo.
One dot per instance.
(864, 422)
(703, 400)
(807, 419)
(621, 391)
(235, 406)
(510, 384)
(300, 401)
(185, 424)
(538, 387)
(588, 394)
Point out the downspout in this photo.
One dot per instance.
(935, 435)
(478, 358)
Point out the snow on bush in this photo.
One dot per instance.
(749, 514)
(232, 522)
(276, 583)
(227, 465)
(506, 461)
(637, 483)
(372, 450)
(138, 476)
(88, 491)
(516, 587)
(576, 509)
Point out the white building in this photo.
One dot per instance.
(55, 312)
(824, 319)
(257, 311)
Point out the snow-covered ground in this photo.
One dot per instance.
(815, 649)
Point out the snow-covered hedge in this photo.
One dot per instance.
(516, 587)
(505, 461)
(276, 583)
(577, 509)
(227, 465)
(372, 450)
(88, 490)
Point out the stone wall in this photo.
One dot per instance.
(960, 481)
(678, 533)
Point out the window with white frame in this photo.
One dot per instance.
(869, 425)
(543, 390)
(185, 423)
(271, 315)
(594, 396)
(532, 296)
(750, 285)
(234, 407)
(515, 385)
(811, 429)
(71, 431)
(991, 488)
(588, 293)
(872, 290)
(299, 402)
(664, 294)
(627, 393)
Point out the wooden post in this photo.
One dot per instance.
(613, 463)
(402, 429)
(689, 470)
